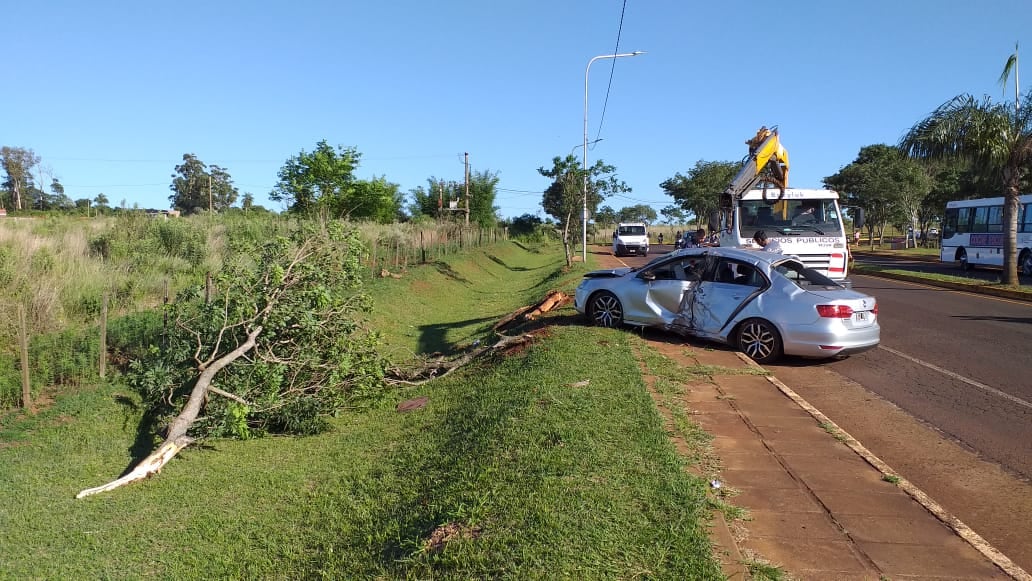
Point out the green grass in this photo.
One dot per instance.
(457, 299)
(545, 479)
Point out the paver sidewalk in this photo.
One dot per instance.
(818, 509)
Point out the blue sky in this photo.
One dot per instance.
(112, 94)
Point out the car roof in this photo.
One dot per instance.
(756, 257)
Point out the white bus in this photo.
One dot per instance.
(806, 223)
(972, 233)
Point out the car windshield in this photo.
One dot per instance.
(805, 277)
(632, 230)
(790, 217)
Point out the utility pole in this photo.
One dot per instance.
(209, 194)
(440, 199)
(467, 188)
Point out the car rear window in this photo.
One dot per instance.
(806, 277)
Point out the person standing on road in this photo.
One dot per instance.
(766, 244)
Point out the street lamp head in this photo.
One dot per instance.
(637, 52)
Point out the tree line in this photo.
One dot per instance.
(321, 181)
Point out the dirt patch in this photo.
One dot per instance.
(413, 404)
(447, 533)
(530, 336)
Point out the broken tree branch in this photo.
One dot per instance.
(177, 439)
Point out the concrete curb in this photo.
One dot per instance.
(964, 531)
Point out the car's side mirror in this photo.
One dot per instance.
(649, 276)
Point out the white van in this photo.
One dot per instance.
(631, 238)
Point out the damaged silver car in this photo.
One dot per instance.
(763, 304)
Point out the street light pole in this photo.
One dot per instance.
(584, 215)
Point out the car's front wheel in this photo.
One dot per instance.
(759, 340)
(605, 310)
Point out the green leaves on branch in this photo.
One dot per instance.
(313, 354)
(699, 192)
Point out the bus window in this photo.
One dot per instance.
(949, 223)
(964, 220)
(1025, 225)
(980, 222)
(996, 219)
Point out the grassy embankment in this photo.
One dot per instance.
(522, 473)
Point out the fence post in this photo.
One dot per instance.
(164, 318)
(23, 339)
(103, 336)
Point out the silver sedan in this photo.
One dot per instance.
(763, 304)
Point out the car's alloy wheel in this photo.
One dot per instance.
(606, 310)
(759, 340)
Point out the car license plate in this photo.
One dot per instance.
(860, 316)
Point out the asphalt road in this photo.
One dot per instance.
(946, 399)
(983, 273)
(958, 361)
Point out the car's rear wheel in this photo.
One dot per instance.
(760, 340)
(606, 310)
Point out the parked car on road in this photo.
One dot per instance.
(765, 305)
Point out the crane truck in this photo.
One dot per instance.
(806, 223)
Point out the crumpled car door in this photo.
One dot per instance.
(716, 299)
(664, 297)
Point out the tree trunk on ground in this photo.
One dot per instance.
(176, 438)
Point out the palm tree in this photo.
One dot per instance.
(996, 139)
(1012, 64)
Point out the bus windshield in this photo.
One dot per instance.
(793, 217)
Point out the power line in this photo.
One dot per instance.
(612, 70)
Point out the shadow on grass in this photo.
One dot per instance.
(433, 338)
(502, 263)
(146, 433)
(445, 269)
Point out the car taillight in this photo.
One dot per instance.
(835, 311)
(875, 309)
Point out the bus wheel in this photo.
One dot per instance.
(1025, 263)
(963, 260)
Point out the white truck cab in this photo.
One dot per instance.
(631, 238)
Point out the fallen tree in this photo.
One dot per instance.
(282, 337)
(440, 366)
